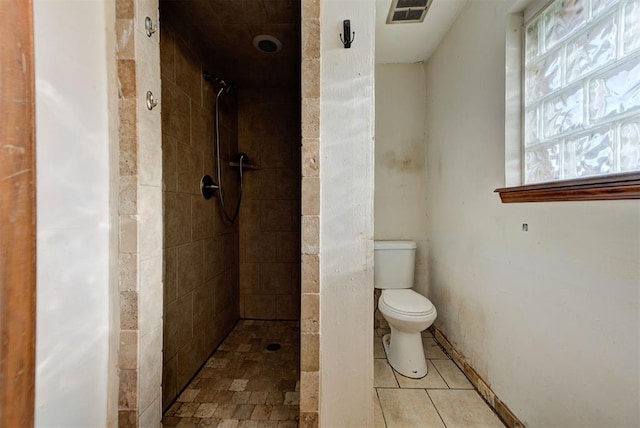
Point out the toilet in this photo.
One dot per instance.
(407, 312)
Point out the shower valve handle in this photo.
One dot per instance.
(208, 186)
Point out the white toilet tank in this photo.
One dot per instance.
(393, 264)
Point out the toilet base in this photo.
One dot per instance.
(405, 353)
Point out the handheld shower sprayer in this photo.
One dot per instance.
(209, 187)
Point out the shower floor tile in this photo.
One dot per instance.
(244, 383)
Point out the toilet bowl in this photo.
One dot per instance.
(407, 312)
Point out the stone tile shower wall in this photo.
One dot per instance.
(269, 132)
(201, 251)
(140, 217)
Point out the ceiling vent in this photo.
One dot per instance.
(408, 11)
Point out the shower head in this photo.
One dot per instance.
(228, 87)
(211, 78)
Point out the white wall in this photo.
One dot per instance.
(400, 163)
(72, 142)
(346, 216)
(550, 316)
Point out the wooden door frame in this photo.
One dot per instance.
(17, 215)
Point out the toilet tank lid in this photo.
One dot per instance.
(394, 245)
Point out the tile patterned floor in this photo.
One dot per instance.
(243, 384)
(443, 398)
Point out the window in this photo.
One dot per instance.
(581, 94)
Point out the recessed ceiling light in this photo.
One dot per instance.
(267, 44)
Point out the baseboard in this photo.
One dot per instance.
(501, 409)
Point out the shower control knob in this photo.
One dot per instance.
(208, 186)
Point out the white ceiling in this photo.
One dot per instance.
(409, 43)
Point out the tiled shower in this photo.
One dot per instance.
(216, 273)
(269, 131)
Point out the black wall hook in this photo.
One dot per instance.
(348, 36)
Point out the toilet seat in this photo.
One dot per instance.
(405, 302)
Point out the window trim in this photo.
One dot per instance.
(602, 188)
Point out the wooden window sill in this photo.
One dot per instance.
(611, 187)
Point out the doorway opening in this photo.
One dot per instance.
(238, 280)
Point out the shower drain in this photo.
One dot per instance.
(273, 347)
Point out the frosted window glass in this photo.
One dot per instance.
(601, 6)
(532, 41)
(564, 18)
(631, 34)
(582, 90)
(630, 145)
(563, 114)
(544, 77)
(531, 126)
(593, 49)
(543, 164)
(615, 92)
(590, 154)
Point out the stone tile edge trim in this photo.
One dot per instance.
(310, 243)
(481, 385)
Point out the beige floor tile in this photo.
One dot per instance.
(225, 411)
(261, 412)
(464, 409)
(268, 424)
(258, 397)
(228, 423)
(188, 395)
(241, 397)
(377, 411)
(378, 349)
(432, 380)
(241, 380)
(452, 374)
(187, 410)
(238, 384)
(205, 410)
(407, 408)
(243, 411)
(383, 374)
(279, 413)
(431, 349)
(187, 422)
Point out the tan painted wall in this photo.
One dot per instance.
(401, 165)
(549, 317)
(74, 148)
(346, 216)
